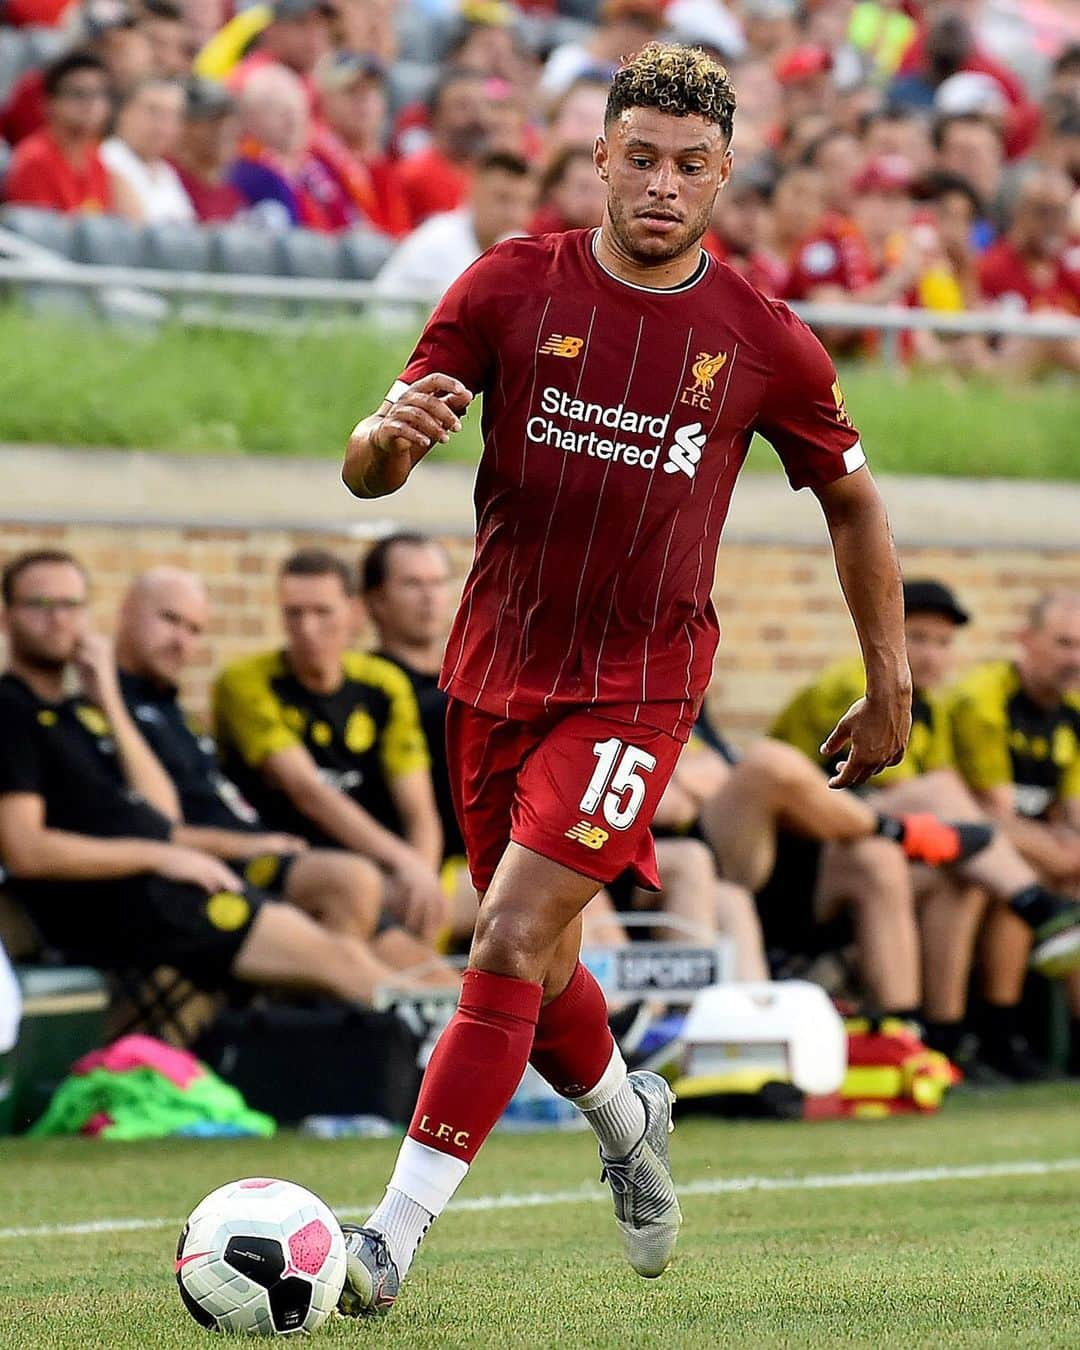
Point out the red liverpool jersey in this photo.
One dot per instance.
(615, 421)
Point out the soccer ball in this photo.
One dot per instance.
(261, 1257)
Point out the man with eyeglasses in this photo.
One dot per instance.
(60, 168)
(89, 821)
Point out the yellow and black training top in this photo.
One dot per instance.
(1002, 736)
(362, 736)
(815, 710)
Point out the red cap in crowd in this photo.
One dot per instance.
(885, 173)
(803, 63)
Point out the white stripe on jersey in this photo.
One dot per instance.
(510, 569)
(680, 380)
(708, 519)
(592, 535)
(523, 639)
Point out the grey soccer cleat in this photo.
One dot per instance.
(371, 1278)
(646, 1206)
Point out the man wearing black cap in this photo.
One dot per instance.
(206, 150)
(926, 780)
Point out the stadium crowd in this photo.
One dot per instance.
(313, 843)
(910, 152)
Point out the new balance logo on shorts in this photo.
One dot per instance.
(592, 836)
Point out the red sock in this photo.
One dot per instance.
(477, 1064)
(573, 1043)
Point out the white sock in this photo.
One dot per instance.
(419, 1190)
(613, 1109)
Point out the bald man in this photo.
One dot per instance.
(162, 623)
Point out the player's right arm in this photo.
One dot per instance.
(451, 362)
(385, 447)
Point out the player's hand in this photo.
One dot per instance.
(194, 868)
(875, 732)
(426, 414)
(278, 844)
(95, 665)
(425, 904)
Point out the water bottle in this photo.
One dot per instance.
(349, 1127)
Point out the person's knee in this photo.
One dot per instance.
(774, 766)
(349, 887)
(685, 861)
(511, 938)
(878, 874)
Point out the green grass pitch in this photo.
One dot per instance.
(985, 1252)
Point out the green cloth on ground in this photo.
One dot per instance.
(144, 1104)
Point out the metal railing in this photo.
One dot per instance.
(38, 268)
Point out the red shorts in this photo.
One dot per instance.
(578, 787)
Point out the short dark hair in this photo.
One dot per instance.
(375, 566)
(14, 569)
(455, 75)
(162, 9)
(69, 64)
(681, 81)
(503, 161)
(557, 170)
(939, 184)
(319, 562)
(1067, 58)
(942, 124)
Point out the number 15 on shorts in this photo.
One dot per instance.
(617, 782)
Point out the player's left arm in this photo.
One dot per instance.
(804, 416)
(877, 726)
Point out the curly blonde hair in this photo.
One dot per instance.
(682, 81)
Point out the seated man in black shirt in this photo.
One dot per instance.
(88, 817)
(405, 584)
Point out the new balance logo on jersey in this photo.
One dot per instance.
(557, 345)
(685, 455)
(592, 836)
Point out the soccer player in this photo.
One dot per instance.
(623, 372)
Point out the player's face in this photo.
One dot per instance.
(164, 629)
(1052, 651)
(412, 606)
(930, 639)
(662, 174)
(319, 620)
(47, 617)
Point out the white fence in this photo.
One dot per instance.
(122, 288)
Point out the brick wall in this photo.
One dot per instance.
(779, 605)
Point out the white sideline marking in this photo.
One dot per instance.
(824, 1181)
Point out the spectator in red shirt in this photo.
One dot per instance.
(107, 28)
(946, 48)
(59, 167)
(1032, 268)
(347, 171)
(838, 157)
(740, 235)
(207, 148)
(899, 131)
(437, 178)
(571, 195)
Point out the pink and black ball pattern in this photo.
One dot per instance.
(261, 1257)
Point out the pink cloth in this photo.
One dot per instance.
(143, 1052)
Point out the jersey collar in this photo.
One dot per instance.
(691, 281)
